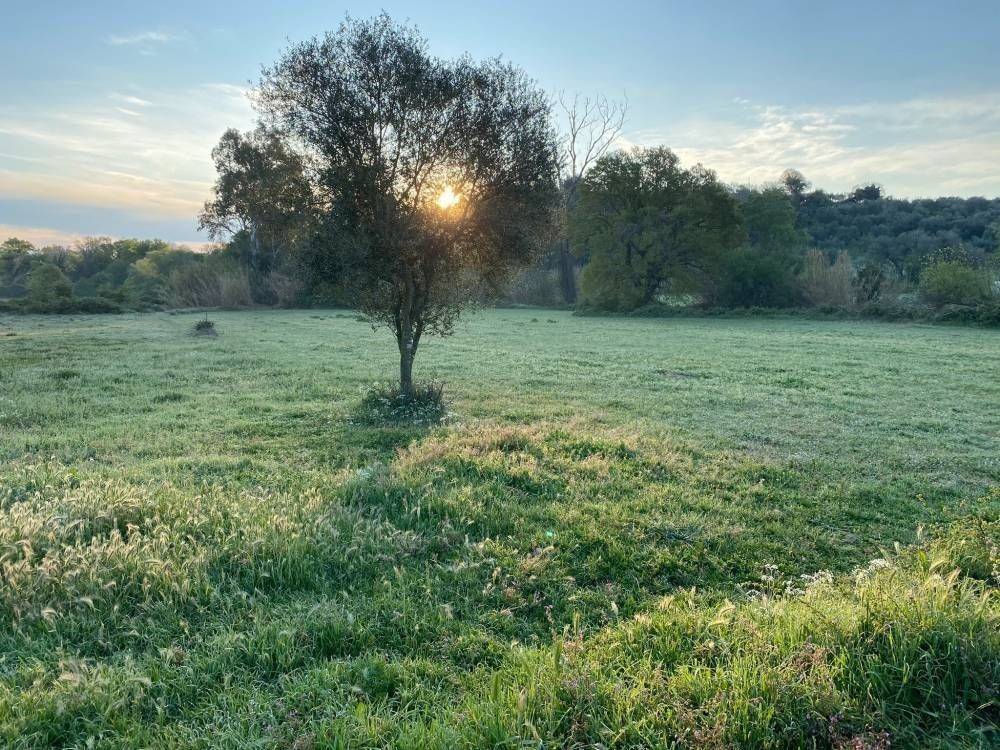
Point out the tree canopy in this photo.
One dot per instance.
(645, 222)
(391, 131)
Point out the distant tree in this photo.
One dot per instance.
(262, 193)
(47, 285)
(13, 245)
(63, 258)
(592, 126)
(899, 232)
(769, 220)
(646, 224)
(795, 184)
(763, 272)
(16, 258)
(863, 193)
(437, 177)
(751, 278)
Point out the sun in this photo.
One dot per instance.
(447, 199)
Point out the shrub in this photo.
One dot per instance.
(868, 284)
(204, 327)
(988, 313)
(828, 284)
(952, 282)
(286, 290)
(235, 289)
(211, 285)
(538, 287)
(146, 290)
(755, 279)
(84, 305)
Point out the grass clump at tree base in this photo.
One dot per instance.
(387, 404)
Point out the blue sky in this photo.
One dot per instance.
(109, 110)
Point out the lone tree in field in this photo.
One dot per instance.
(436, 177)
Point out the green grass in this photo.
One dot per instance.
(627, 533)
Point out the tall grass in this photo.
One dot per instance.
(211, 287)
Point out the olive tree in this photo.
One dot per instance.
(435, 177)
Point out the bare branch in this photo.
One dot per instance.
(593, 125)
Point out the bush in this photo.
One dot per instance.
(755, 279)
(204, 327)
(988, 313)
(828, 284)
(286, 290)
(538, 287)
(385, 404)
(952, 282)
(80, 305)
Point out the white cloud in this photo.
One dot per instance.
(155, 162)
(921, 147)
(132, 101)
(141, 37)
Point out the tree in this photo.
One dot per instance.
(762, 273)
(16, 258)
(795, 184)
(48, 285)
(16, 246)
(262, 193)
(952, 282)
(593, 125)
(864, 193)
(436, 177)
(769, 219)
(646, 222)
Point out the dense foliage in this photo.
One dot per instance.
(643, 221)
(786, 248)
(900, 232)
(102, 275)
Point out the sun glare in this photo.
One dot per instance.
(447, 199)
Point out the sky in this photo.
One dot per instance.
(109, 110)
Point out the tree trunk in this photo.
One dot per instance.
(567, 273)
(406, 353)
(407, 335)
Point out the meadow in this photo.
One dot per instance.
(627, 533)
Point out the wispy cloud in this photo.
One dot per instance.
(152, 160)
(133, 101)
(141, 37)
(920, 147)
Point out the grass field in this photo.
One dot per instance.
(629, 533)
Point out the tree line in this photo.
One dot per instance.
(409, 186)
